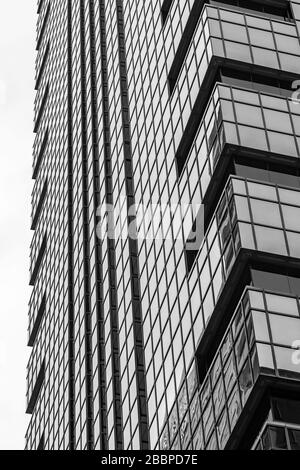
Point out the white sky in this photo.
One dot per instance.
(17, 43)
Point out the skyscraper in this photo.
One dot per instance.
(155, 342)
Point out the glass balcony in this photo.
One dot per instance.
(179, 18)
(257, 344)
(277, 436)
(255, 217)
(263, 123)
(223, 37)
(238, 36)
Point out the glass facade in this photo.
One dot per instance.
(258, 341)
(276, 437)
(137, 342)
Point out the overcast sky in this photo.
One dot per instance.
(17, 36)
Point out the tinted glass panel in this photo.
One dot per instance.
(294, 436)
(275, 282)
(286, 410)
(254, 81)
(274, 11)
(277, 438)
(267, 175)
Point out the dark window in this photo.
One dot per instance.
(41, 445)
(272, 9)
(274, 438)
(287, 411)
(269, 173)
(294, 436)
(229, 75)
(165, 9)
(255, 81)
(39, 207)
(42, 67)
(37, 323)
(39, 41)
(40, 5)
(40, 155)
(41, 110)
(38, 261)
(275, 282)
(36, 390)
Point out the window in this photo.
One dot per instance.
(264, 171)
(274, 438)
(275, 282)
(284, 329)
(294, 436)
(263, 83)
(165, 9)
(287, 411)
(272, 9)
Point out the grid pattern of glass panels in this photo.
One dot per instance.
(235, 36)
(279, 437)
(50, 416)
(130, 424)
(175, 306)
(258, 340)
(269, 217)
(240, 117)
(175, 24)
(222, 242)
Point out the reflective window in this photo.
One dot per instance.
(265, 213)
(286, 410)
(270, 240)
(275, 282)
(284, 330)
(280, 12)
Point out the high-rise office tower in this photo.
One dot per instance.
(146, 340)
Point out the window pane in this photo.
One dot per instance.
(291, 217)
(234, 407)
(285, 365)
(235, 32)
(270, 281)
(245, 382)
(283, 144)
(294, 436)
(287, 44)
(285, 330)
(260, 326)
(256, 299)
(250, 115)
(265, 357)
(270, 240)
(280, 304)
(245, 96)
(288, 196)
(286, 410)
(237, 51)
(277, 438)
(266, 213)
(252, 137)
(294, 244)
